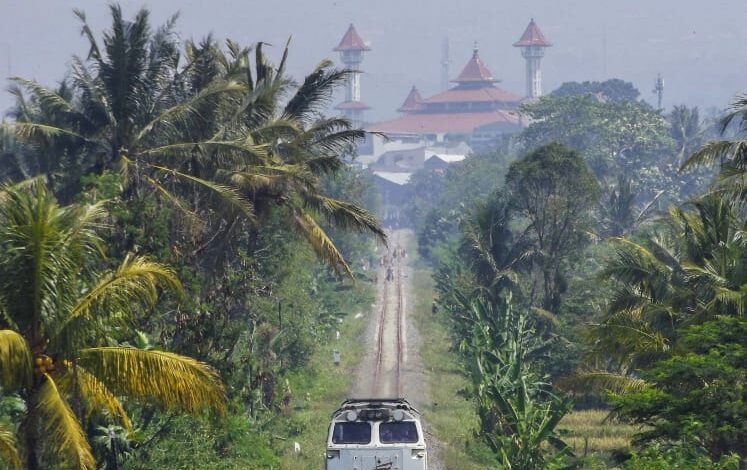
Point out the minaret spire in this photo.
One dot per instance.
(445, 62)
(351, 50)
(533, 44)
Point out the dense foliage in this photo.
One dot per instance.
(630, 271)
(211, 160)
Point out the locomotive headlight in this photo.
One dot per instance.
(398, 415)
(351, 415)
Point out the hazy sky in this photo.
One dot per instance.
(699, 47)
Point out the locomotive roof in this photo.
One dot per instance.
(389, 403)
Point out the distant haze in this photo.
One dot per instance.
(697, 46)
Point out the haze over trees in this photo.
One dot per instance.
(627, 273)
(169, 196)
(179, 231)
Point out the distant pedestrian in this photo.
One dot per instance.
(434, 308)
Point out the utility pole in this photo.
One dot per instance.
(445, 61)
(659, 90)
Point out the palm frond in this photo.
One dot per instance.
(31, 130)
(180, 113)
(84, 221)
(716, 151)
(48, 99)
(323, 246)
(136, 280)
(96, 396)
(63, 434)
(167, 379)
(345, 214)
(224, 193)
(195, 223)
(316, 91)
(600, 381)
(9, 449)
(15, 361)
(94, 52)
(256, 153)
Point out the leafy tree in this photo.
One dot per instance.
(697, 397)
(440, 200)
(61, 349)
(658, 457)
(614, 89)
(629, 138)
(555, 191)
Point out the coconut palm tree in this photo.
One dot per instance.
(489, 245)
(220, 136)
(63, 327)
(692, 272)
(730, 155)
(687, 130)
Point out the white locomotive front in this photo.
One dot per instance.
(376, 434)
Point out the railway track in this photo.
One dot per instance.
(387, 375)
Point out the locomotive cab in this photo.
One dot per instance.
(376, 434)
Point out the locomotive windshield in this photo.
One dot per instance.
(398, 432)
(351, 433)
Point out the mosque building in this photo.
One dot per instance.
(436, 131)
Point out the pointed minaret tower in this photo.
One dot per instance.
(351, 50)
(412, 102)
(533, 44)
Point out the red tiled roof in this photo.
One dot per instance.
(475, 71)
(532, 37)
(352, 41)
(412, 102)
(352, 105)
(444, 123)
(489, 93)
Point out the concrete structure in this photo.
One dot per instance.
(533, 44)
(394, 196)
(410, 160)
(351, 49)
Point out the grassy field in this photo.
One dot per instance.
(317, 392)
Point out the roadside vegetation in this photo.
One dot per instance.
(179, 239)
(449, 414)
(596, 261)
